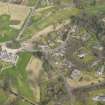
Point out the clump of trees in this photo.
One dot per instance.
(53, 91)
(93, 24)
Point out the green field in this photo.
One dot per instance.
(6, 32)
(19, 75)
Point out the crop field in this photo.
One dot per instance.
(19, 75)
(34, 67)
(47, 18)
(17, 13)
(6, 32)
